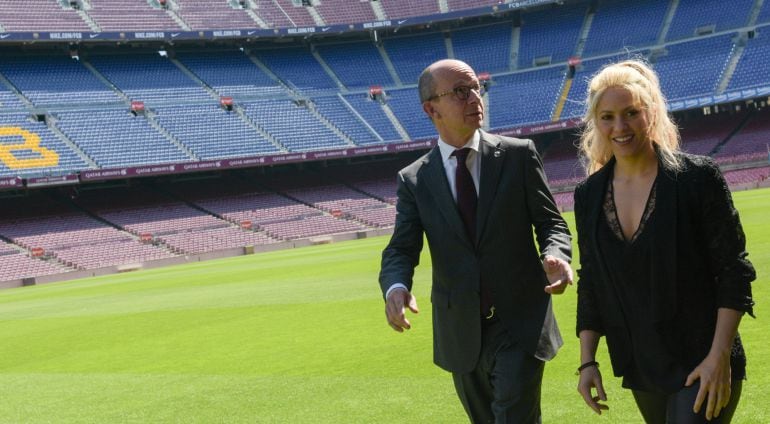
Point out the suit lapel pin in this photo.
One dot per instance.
(497, 153)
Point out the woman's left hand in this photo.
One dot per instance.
(715, 383)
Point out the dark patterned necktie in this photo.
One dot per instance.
(467, 201)
(466, 193)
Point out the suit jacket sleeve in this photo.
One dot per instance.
(402, 253)
(726, 242)
(553, 236)
(588, 316)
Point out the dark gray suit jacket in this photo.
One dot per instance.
(514, 198)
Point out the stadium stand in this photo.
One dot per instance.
(764, 13)
(512, 96)
(373, 113)
(538, 40)
(150, 78)
(747, 176)
(411, 54)
(120, 15)
(73, 85)
(469, 4)
(231, 73)
(610, 27)
(356, 64)
(405, 9)
(345, 12)
(114, 138)
(751, 70)
(339, 113)
(702, 135)
(293, 125)
(9, 102)
(574, 105)
(702, 60)
(66, 238)
(298, 69)
(31, 148)
(210, 132)
(406, 106)
(207, 14)
(283, 13)
(693, 18)
(750, 142)
(486, 48)
(39, 15)
(309, 93)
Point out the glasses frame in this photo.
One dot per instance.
(457, 91)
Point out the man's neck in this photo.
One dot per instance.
(457, 141)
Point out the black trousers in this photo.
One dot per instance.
(677, 408)
(504, 387)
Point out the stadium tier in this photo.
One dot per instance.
(291, 91)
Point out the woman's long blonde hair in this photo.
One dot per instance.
(639, 79)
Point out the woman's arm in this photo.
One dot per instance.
(590, 377)
(714, 371)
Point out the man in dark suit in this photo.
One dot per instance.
(477, 197)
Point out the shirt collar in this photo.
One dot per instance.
(447, 150)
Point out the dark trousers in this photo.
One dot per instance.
(505, 385)
(677, 408)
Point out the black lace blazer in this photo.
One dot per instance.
(701, 262)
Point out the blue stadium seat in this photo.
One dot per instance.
(212, 133)
(405, 104)
(411, 54)
(116, 138)
(752, 69)
(231, 73)
(693, 68)
(73, 84)
(525, 97)
(298, 69)
(337, 112)
(150, 78)
(373, 113)
(357, 64)
(616, 25)
(691, 15)
(539, 39)
(486, 48)
(293, 125)
(67, 160)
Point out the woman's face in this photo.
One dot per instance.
(623, 123)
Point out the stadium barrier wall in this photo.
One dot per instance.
(183, 259)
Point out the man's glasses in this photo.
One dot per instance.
(462, 92)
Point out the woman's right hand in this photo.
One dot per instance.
(591, 378)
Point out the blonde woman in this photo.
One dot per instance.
(664, 275)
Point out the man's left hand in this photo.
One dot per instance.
(559, 274)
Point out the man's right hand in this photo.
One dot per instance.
(395, 308)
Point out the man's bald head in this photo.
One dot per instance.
(426, 85)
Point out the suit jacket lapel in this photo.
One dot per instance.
(438, 187)
(492, 159)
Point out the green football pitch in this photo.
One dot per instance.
(296, 336)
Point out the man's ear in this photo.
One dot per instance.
(430, 110)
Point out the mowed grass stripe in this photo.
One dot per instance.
(289, 336)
